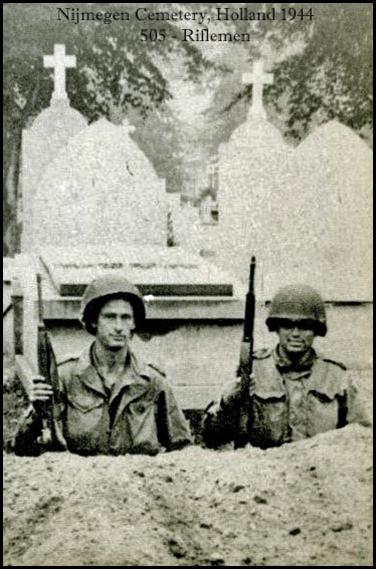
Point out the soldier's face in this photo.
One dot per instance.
(295, 336)
(115, 324)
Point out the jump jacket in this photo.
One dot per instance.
(286, 402)
(139, 414)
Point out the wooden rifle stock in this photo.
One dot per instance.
(246, 359)
(51, 437)
(44, 370)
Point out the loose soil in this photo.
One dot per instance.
(304, 504)
(307, 503)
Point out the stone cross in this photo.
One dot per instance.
(59, 61)
(258, 79)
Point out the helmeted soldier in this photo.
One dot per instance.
(294, 392)
(110, 402)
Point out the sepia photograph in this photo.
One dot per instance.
(187, 284)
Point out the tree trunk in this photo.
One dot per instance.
(11, 225)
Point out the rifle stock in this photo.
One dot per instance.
(50, 438)
(246, 359)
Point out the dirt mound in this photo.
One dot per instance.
(307, 503)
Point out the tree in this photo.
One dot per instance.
(332, 77)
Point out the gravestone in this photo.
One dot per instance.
(49, 133)
(82, 187)
(320, 226)
(100, 189)
(252, 171)
(304, 212)
(334, 169)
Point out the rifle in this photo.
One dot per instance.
(246, 359)
(51, 438)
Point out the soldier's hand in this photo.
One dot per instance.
(40, 392)
(252, 384)
(233, 391)
(212, 409)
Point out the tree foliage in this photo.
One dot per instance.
(332, 77)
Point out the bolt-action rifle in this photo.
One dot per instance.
(246, 360)
(51, 437)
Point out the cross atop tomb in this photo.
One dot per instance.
(258, 79)
(60, 62)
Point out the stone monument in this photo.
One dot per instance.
(252, 170)
(41, 143)
(100, 189)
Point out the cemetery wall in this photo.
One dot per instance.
(209, 352)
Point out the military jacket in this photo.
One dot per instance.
(138, 415)
(283, 403)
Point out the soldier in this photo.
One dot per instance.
(110, 402)
(293, 393)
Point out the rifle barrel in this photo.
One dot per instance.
(44, 368)
(250, 302)
(246, 360)
(40, 299)
(252, 275)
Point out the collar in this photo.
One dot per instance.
(285, 365)
(134, 369)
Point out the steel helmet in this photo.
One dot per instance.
(102, 289)
(298, 302)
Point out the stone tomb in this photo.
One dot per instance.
(100, 189)
(42, 142)
(157, 271)
(305, 212)
(306, 215)
(86, 185)
(193, 310)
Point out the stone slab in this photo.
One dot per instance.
(158, 271)
(162, 308)
(78, 289)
